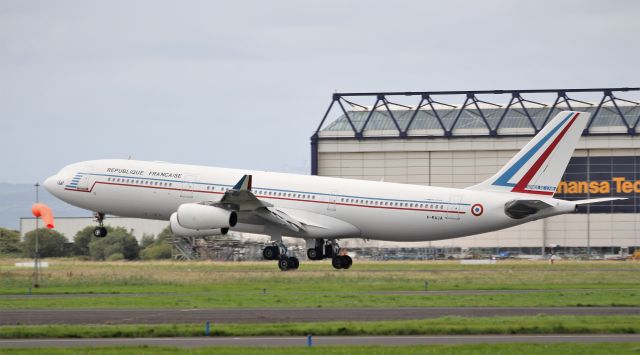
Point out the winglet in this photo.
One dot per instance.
(244, 183)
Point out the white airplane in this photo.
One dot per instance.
(202, 201)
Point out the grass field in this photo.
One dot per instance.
(488, 349)
(261, 284)
(541, 324)
(171, 284)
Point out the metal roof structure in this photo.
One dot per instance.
(451, 114)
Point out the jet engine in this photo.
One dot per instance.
(197, 216)
(180, 231)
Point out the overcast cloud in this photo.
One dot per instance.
(244, 83)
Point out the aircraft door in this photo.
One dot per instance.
(453, 208)
(331, 206)
(85, 179)
(186, 190)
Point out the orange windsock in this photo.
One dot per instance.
(43, 211)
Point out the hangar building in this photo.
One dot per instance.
(460, 138)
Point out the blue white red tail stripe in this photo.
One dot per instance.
(503, 180)
(522, 185)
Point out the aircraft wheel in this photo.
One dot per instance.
(283, 264)
(348, 261)
(313, 254)
(100, 232)
(271, 252)
(293, 262)
(338, 262)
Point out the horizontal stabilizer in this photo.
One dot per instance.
(596, 200)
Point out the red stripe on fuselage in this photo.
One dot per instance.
(269, 197)
(521, 186)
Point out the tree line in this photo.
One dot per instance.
(119, 244)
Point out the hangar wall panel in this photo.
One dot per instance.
(462, 162)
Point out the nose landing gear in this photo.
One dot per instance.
(100, 231)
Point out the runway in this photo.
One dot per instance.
(320, 341)
(281, 315)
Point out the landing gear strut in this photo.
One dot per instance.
(330, 249)
(100, 231)
(278, 251)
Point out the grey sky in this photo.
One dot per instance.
(243, 84)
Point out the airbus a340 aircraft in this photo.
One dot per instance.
(202, 201)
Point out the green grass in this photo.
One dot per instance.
(541, 324)
(481, 349)
(317, 284)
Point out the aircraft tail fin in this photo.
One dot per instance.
(538, 167)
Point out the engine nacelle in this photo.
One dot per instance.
(196, 216)
(180, 231)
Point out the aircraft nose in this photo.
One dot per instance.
(50, 184)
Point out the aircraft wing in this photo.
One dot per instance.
(252, 210)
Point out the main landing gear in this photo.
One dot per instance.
(278, 251)
(100, 231)
(330, 249)
(322, 250)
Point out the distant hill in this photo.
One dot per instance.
(16, 201)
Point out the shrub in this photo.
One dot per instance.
(50, 243)
(117, 241)
(9, 241)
